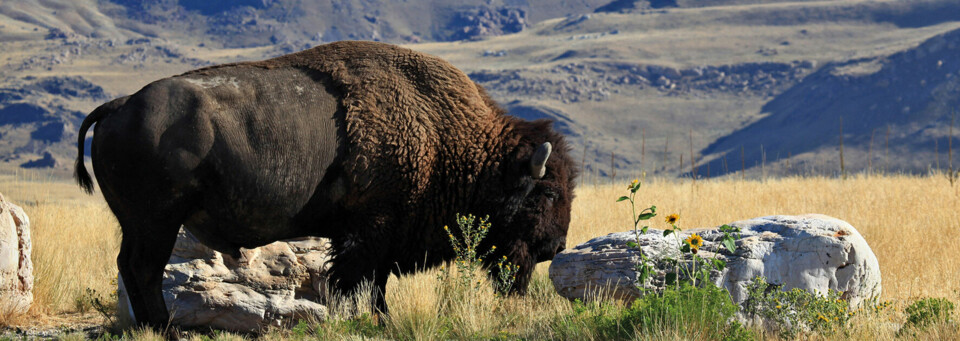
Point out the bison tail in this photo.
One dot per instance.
(80, 169)
(83, 177)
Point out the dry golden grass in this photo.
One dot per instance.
(75, 243)
(908, 221)
(75, 248)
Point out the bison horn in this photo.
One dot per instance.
(538, 164)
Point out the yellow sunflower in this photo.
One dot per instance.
(695, 241)
(633, 184)
(672, 219)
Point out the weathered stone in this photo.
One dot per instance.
(812, 252)
(16, 268)
(272, 285)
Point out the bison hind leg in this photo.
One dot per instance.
(144, 251)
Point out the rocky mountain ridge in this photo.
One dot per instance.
(636, 89)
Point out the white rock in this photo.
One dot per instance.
(16, 268)
(812, 252)
(272, 285)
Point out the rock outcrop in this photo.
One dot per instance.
(16, 268)
(482, 22)
(47, 161)
(273, 285)
(811, 252)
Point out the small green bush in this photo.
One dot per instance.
(676, 308)
(92, 299)
(469, 258)
(797, 311)
(364, 325)
(925, 312)
(300, 331)
(706, 310)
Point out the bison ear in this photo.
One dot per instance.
(538, 163)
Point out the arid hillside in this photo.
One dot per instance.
(636, 85)
(901, 105)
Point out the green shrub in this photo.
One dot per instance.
(693, 310)
(796, 311)
(364, 325)
(675, 308)
(92, 299)
(469, 258)
(300, 331)
(925, 312)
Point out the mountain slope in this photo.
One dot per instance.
(914, 93)
(248, 23)
(644, 84)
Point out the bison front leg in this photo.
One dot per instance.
(141, 261)
(353, 267)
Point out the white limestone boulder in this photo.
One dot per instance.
(812, 252)
(273, 285)
(16, 268)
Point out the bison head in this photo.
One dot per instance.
(532, 215)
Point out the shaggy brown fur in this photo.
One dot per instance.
(405, 110)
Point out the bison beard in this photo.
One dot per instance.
(371, 145)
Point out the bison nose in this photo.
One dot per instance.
(560, 249)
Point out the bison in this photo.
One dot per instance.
(373, 146)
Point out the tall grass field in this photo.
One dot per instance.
(911, 223)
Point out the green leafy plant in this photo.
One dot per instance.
(698, 268)
(364, 325)
(690, 267)
(702, 310)
(466, 303)
(506, 276)
(643, 267)
(92, 299)
(469, 258)
(300, 331)
(797, 311)
(925, 312)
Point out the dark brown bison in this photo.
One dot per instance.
(374, 146)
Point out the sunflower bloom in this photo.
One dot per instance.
(672, 219)
(633, 183)
(695, 241)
